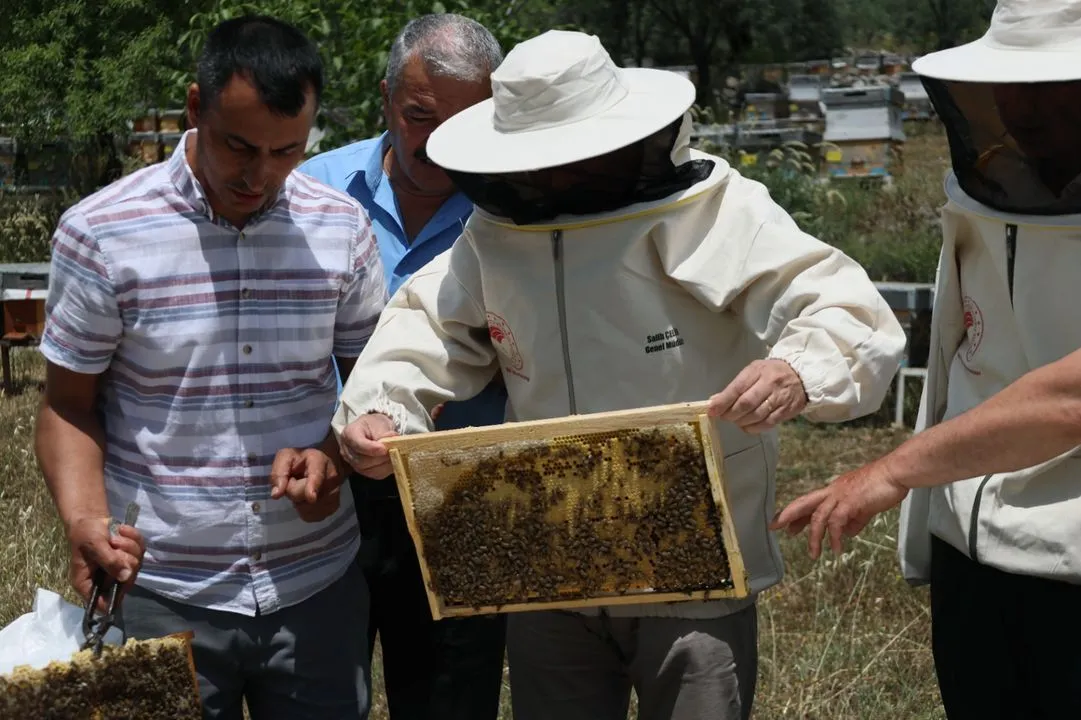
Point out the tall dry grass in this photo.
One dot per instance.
(841, 638)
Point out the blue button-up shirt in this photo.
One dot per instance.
(358, 170)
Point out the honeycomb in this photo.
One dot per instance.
(574, 517)
(140, 680)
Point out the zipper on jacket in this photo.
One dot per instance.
(1011, 255)
(561, 304)
(974, 520)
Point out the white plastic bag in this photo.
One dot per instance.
(53, 630)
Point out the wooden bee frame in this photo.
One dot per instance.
(154, 678)
(689, 419)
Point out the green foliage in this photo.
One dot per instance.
(27, 223)
(889, 229)
(354, 41)
(904, 25)
(77, 70)
(82, 69)
(795, 30)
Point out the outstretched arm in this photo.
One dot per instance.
(431, 346)
(1033, 420)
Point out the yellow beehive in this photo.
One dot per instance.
(140, 680)
(602, 509)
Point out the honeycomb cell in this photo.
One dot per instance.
(576, 517)
(144, 680)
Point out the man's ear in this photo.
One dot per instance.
(193, 105)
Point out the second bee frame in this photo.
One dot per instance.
(437, 454)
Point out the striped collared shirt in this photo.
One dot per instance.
(215, 348)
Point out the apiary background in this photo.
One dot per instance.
(611, 508)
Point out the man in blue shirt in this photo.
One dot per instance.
(439, 65)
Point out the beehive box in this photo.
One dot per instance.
(146, 146)
(172, 121)
(603, 509)
(140, 680)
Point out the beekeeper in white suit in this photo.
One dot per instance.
(609, 266)
(992, 490)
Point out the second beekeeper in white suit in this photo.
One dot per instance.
(610, 266)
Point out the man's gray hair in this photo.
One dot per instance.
(449, 45)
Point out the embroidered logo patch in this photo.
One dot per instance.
(504, 343)
(973, 327)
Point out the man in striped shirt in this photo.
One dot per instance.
(196, 310)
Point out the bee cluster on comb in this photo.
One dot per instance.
(570, 519)
(140, 680)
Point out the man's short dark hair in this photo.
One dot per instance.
(277, 58)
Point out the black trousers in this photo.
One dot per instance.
(1006, 646)
(446, 670)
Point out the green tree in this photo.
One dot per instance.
(918, 26)
(80, 71)
(354, 40)
(716, 33)
(951, 22)
(626, 27)
(817, 32)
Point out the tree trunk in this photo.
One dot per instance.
(703, 62)
(641, 33)
(618, 16)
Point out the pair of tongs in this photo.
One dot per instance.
(96, 626)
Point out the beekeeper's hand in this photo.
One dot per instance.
(121, 555)
(762, 396)
(842, 508)
(361, 448)
(311, 478)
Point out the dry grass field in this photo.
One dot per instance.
(843, 638)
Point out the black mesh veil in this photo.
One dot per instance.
(1014, 147)
(646, 172)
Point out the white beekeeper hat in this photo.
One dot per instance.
(1029, 41)
(556, 99)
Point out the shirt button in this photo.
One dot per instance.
(255, 507)
(245, 293)
(247, 349)
(249, 402)
(256, 556)
(251, 458)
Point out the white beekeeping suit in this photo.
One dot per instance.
(1008, 281)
